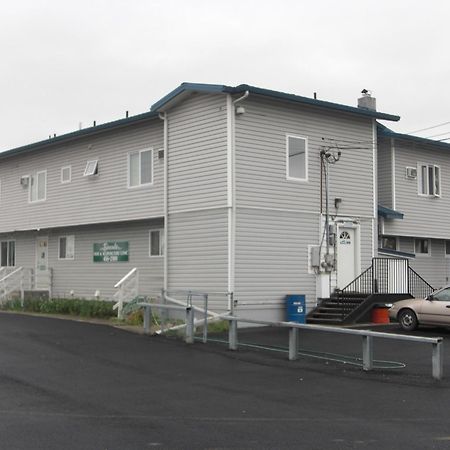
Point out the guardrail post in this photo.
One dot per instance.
(205, 324)
(147, 319)
(232, 335)
(367, 352)
(189, 325)
(293, 343)
(438, 361)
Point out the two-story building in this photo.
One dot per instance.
(217, 189)
(413, 182)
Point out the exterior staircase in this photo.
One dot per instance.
(387, 280)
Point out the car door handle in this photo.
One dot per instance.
(448, 306)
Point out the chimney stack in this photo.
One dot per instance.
(367, 101)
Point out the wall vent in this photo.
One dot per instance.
(411, 173)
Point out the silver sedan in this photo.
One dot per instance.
(432, 310)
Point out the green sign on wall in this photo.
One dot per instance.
(111, 251)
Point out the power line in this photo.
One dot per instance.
(429, 128)
(436, 135)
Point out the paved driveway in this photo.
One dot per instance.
(70, 385)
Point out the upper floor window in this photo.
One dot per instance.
(140, 168)
(38, 186)
(66, 245)
(91, 168)
(66, 174)
(297, 157)
(7, 253)
(422, 246)
(157, 242)
(429, 179)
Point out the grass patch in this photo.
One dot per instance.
(73, 307)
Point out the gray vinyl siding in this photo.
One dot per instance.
(272, 260)
(385, 173)
(197, 154)
(261, 157)
(367, 238)
(96, 199)
(198, 254)
(434, 268)
(82, 275)
(423, 216)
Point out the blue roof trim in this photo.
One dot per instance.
(217, 88)
(185, 87)
(389, 213)
(79, 133)
(387, 251)
(386, 132)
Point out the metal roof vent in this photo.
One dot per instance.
(367, 101)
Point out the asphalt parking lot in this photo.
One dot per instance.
(72, 385)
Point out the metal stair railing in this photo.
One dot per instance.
(418, 287)
(12, 282)
(127, 290)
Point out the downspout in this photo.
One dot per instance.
(163, 116)
(231, 190)
(375, 189)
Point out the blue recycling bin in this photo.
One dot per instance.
(296, 308)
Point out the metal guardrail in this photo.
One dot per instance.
(367, 340)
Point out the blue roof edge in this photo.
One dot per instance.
(389, 213)
(218, 88)
(388, 251)
(386, 132)
(79, 133)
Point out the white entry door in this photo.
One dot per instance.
(347, 256)
(41, 280)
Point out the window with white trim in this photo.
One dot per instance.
(447, 248)
(156, 243)
(429, 180)
(66, 247)
(91, 168)
(422, 246)
(66, 174)
(38, 186)
(7, 253)
(297, 157)
(140, 168)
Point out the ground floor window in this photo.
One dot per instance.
(422, 246)
(7, 253)
(66, 247)
(389, 243)
(447, 248)
(156, 242)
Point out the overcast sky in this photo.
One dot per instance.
(64, 62)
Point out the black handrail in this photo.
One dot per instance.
(383, 276)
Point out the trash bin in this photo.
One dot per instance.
(296, 308)
(380, 313)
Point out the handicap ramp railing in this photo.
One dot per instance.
(12, 281)
(127, 290)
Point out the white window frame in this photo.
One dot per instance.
(447, 255)
(436, 192)
(63, 181)
(161, 243)
(67, 236)
(429, 247)
(7, 252)
(35, 176)
(288, 176)
(94, 169)
(129, 168)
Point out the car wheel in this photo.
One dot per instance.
(408, 319)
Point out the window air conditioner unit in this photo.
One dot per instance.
(25, 180)
(411, 172)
